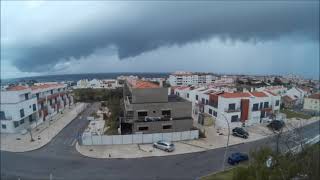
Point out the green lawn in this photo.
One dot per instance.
(293, 114)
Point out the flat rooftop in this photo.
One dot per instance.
(175, 98)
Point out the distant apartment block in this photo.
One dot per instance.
(187, 78)
(25, 107)
(149, 109)
(98, 84)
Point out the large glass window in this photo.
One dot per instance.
(4, 126)
(34, 107)
(215, 113)
(26, 96)
(277, 102)
(21, 113)
(210, 111)
(21, 121)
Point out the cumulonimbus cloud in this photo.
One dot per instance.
(146, 26)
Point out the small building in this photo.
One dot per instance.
(288, 102)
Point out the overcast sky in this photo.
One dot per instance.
(39, 37)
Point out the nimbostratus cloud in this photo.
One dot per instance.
(132, 28)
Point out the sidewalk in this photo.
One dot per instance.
(212, 141)
(42, 134)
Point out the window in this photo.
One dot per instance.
(2, 115)
(210, 111)
(30, 118)
(187, 95)
(26, 96)
(4, 126)
(166, 113)
(196, 97)
(51, 91)
(34, 107)
(266, 104)
(21, 121)
(203, 101)
(154, 111)
(15, 123)
(142, 113)
(143, 128)
(50, 101)
(255, 107)
(207, 101)
(232, 106)
(277, 102)
(167, 127)
(261, 105)
(234, 118)
(21, 113)
(215, 113)
(37, 95)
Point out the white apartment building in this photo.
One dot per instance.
(18, 109)
(97, 84)
(25, 107)
(188, 78)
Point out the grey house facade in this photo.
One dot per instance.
(149, 109)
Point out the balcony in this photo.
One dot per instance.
(6, 118)
(227, 110)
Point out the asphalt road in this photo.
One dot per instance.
(62, 161)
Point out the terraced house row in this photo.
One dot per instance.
(24, 107)
(228, 106)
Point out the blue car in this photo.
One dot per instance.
(235, 158)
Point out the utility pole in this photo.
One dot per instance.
(225, 152)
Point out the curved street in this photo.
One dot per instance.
(60, 159)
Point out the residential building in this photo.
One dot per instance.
(288, 102)
(312, 103)
(97, 84)
(242, 107)
(51, 99)
(149, 109)
(24, 107)
(188, 78)
(297, 94)
(18, 109)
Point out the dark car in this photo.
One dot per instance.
(276, 125)
(235, 158)
(240, 132)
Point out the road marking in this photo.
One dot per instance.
(73, 142)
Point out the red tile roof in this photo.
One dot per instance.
(259, 94)
(273, 94)
(142, 84)
(235, 95)
(315, 96)
(44, 86)
(16, 88)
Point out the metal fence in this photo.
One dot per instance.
(88, 139)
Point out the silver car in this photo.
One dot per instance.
(163, 145)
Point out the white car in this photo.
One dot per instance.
(163, 145)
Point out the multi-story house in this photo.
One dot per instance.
(18, 109)
(149, 109)
(242, 107)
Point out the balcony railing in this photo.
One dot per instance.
(151, 119)
(232, 110)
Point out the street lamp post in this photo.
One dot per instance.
(225, 152)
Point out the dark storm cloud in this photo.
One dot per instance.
(147, 26)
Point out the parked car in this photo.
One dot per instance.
(235, 158)
(240, 132)
(163, 145)
(276, 125)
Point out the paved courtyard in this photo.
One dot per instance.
(43, 133)
(212, 141)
